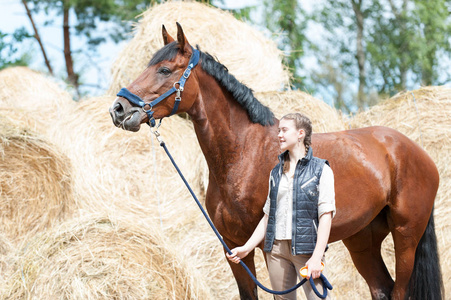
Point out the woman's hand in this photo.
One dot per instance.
(314, 268)
(238, 253)
(256, 238)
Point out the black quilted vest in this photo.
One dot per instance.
(305, 203)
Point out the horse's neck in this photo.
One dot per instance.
(222, 127)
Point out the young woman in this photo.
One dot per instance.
(298, 211)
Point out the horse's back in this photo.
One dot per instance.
(372, 167)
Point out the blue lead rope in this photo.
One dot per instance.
(326, 284)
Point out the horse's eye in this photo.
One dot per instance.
(164, 71)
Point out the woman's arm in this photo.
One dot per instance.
(256, 238)
(314, 263)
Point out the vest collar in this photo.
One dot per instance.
(305, 159)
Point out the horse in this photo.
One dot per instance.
(384, 182)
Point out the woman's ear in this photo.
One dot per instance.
(301, 133)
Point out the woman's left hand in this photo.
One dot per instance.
(314, 268)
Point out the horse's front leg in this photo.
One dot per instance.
(246, 286)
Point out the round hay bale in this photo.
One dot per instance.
(36, 99)
(424, 116)
(324, 118)
(35, 182)
(97, 257)
(248, 55)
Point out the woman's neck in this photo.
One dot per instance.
(297, 153)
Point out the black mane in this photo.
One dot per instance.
(258, 113)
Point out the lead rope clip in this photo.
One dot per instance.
(157, 133)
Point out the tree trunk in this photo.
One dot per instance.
(72, 77)
(360, 55)
(38, 37)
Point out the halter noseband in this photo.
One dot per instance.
(135, 99)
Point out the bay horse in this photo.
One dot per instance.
(384, 182)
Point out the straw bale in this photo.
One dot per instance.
(100, 257)
(424, 116)
(35, 188)
(250, 57)
(36, 99)
(324, 118)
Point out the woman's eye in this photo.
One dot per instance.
(164, 71)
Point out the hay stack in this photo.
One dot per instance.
(424, 116)
(248, 55)
(323, 117)
(37, 100)
(98, 257)
(35, 187)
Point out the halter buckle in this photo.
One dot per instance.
(187, 71)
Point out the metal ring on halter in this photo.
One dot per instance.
(147, 110)
(180, 88)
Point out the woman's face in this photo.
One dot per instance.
(288, 135)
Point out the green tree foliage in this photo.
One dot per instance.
(401, 42)
(9, 49)
(346, 23)
(91, 14)
(406, 43)
(288, 19)
(89, 17)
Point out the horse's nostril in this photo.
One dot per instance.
(118, 109)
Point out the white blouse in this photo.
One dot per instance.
(284, 211)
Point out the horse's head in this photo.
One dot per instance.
(157, 92)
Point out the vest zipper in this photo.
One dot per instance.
(308, 181)
(293, 219)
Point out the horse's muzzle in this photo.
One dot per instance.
(126, 118)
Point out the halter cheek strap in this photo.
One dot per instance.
(176, 88)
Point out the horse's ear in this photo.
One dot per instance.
(166, 37)
(181, 39)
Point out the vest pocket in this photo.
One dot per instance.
(310, 188)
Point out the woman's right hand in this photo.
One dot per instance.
(238, 253)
